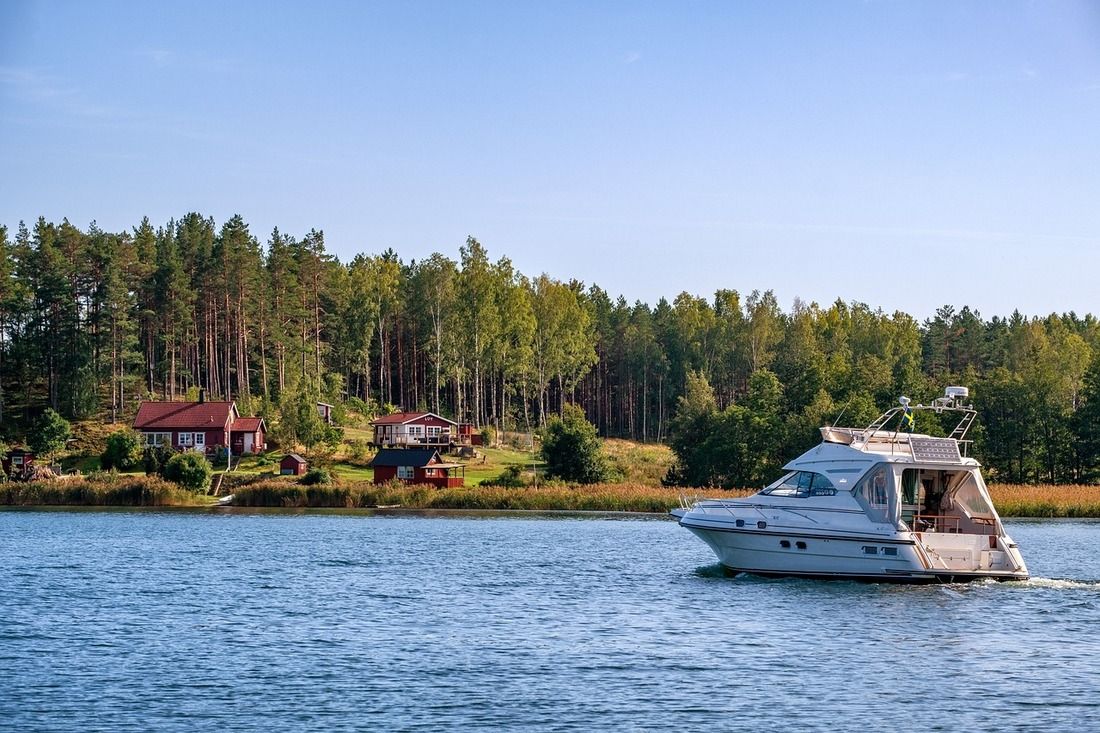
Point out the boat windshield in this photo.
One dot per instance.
(801, 484)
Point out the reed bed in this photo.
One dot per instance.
(599, 497)
(1046, 500)
(97, 491)
(1011, 500)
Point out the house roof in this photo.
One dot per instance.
(295, 457)
(418, 458)
(400, 418)
(182, 415)
(247, 424)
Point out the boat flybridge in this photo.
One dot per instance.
(875, 503)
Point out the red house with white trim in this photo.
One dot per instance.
(200, 426)
(414, 430)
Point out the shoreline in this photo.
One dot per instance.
(129, 492)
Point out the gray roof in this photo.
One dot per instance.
(296, 457)
(416, 457)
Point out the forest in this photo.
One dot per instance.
(92, 322)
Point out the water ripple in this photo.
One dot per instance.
(175, 621)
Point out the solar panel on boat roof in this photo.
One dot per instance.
(935, 450)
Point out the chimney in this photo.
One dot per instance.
(202, 395)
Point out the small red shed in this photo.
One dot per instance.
(17, 462)
(293, 465)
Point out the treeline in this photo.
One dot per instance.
(93, 321)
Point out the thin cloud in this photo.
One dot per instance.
(631, 57)
(33, 87)
(167, 58)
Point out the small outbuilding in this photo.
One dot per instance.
(417, 466)
(293, 465)
(18, 462)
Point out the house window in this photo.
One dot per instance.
(404, 472)
(154, 439)
(433, 431)
(416, 430)
(186, 439)
(200, 440)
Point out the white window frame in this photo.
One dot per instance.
(152, 440)
(434, 431)
(186, 440)
(416, 430)
(200, 440)
(405, 472)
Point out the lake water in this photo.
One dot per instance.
(138, 620)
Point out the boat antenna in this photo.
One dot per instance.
(837, 420)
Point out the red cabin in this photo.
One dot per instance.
(200, 426)
(293, 465)
(17, 463)
(417, 466)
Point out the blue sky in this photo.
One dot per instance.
(903, 154)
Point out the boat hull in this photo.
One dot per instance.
(824, 556)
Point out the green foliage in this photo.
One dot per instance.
(154, 459)
(571, 448)
(317, 476)
(124, 451)
(49, 434)
(512, 477)
(190, 470)
(91, 319)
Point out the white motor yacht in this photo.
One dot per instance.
(875, 503)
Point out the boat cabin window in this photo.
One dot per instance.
(801, 484)
(873, 491)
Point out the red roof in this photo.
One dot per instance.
(400, 418)
(182, 415)
(247, 424)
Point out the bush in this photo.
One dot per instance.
(123, 452)
(317, 476)
(511, 478)
(488, 435)
(358, 451)
(190, 470)
(572, 450)
(155, 458)
(49, 434)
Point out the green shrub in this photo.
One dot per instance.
(358, 451)
(155, 458)
(488, 435)
(50, 433)
(317, 476)
(190, 470)
(123, 452)
(511, 478)
(571, 449)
